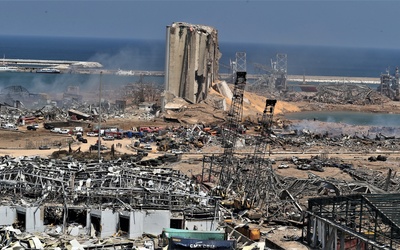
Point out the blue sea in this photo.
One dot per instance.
(150, 55)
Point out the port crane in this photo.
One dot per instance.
(259, 173)
(265, 130)
(225, 166)
(230, 133)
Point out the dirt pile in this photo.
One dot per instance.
(215, 108)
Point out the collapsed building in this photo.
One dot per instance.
(18, 96)
(100, 198)
(192, 56)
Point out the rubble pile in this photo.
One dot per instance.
(119, 184)
(347, 93)
(305, 139)
(338, 93)
(16, 239)
(125, 186)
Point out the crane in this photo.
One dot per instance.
(266, 129)
(230, 134)
(254, 174)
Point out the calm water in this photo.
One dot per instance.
(150, 55)
(352, 118)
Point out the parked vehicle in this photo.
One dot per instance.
(92, 134)
(35, 125)
(146, 129)
(9, 126)
(55, 130)
(30, 127)
(64, 131)
(119, 137)
(108, 138)
(95, 147)
(176, 151)
(44, 147)
(48, 126)
(77, 129)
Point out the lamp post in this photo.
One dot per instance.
(99, 122)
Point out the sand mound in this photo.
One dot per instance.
(256, 103)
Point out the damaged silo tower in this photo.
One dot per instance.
(192, 55)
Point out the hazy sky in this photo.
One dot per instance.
(343, 23)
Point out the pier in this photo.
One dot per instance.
(85, 67)
(24, 64)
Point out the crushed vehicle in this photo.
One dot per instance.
(81, 139)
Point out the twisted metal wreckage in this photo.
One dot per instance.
(250, 187)
(53, 195)
(69, 192)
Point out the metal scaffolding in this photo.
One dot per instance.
(273, 77)
(390, 85)
(241, 64)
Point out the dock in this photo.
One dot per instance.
(86, 67)
(29, 64)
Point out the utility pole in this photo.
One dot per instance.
(99, 121)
